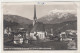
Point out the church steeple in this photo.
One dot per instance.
(35, 18)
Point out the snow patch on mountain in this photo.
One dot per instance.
(62, 11)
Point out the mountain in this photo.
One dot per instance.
(59, 21)
(16, 21)
(57, 17)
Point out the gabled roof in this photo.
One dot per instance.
(39, 26)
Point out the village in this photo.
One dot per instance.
(39, 37)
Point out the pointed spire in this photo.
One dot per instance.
(35, 18)
(34, 11)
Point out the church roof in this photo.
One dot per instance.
(39, 26)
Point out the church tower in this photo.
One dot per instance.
(35, 18)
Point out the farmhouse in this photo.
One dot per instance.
(68, 35)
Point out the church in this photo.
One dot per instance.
(38, 30)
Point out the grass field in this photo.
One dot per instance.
(54, 45)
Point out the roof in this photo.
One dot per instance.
(39, 26)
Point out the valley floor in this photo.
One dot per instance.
(52, 45)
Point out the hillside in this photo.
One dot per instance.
(59, 27)
(16, 21)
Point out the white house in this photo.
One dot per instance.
(68, 35)
(41, 35)
(18, 39)
(7, 31)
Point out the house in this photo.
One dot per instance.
(68, 35)
(7, 31)
(21, 36)
(72, 32)
(64, 37)
(18, 38)
(8, 34)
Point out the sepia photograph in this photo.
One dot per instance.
(40, 26)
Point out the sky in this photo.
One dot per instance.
(27, 10)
